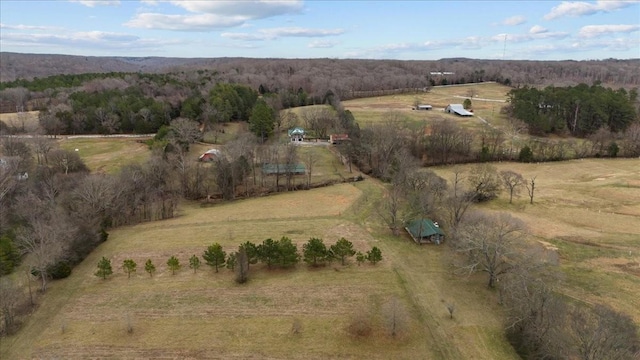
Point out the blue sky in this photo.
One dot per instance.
(405, 30)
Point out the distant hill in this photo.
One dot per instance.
(610, 72)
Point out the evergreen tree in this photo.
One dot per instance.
(315, 253)
(268, 252)
(149, 267)
(129, 267)
(287, 252)
(251, 251)
(262, 121)
(194, 263)
(342, 249)
(360, 258)
(104, 268)
(214, 256)
(374, 255)
(231, 261)
(174, 264)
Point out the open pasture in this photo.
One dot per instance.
(374, 109)
(207, 315)
(107, 154)
(27, 121)
(588, 213)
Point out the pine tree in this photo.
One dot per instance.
(214, 256)
(360, 258)
(268, 252)
(315, 252)
(231, 261)
(342, 249)
(129, 267)
(149, 267)
(287, 252)
(174, 264)
(104, 268)
(374, 255)
(194, 263)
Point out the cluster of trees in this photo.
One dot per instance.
(579, 110)
(282, 253)
(541, 322)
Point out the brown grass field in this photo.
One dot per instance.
(27, 119)
(374, 109)
(586, 214)
(107, 155)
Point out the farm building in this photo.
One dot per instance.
(273, 169)
(296, 134)
(210, 155)
(424, 107)
(338, 138)
(425, 231)
(457, 109)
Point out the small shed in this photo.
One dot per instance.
(210, 155)
(424, 107)
(425, 231)
(457, 109)
(338, 138)
(296, 134)
(273, 169)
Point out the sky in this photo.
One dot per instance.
(403, 30)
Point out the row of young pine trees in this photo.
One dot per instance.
(282, 253)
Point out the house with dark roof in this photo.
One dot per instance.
(424, 107)
(425, 231)
(296, 134)
(457, 109)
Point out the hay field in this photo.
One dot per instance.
(107, 154)
(27, 120)
(588, 213)
(207, 315)
(371, 110)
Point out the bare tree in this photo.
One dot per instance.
(603, 333)
(458, 199)
(531, 187)
(483, 182)
(185, 131)
(319, 120)
(512, 181)
(42, 146)
(310, 159)
(10, 296)
(486, 243)
(290, 162)
(451, 307)
(389, 208)
(46, 240)
(395, 316)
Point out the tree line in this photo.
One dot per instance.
(580, 110)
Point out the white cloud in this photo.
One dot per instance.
(25, 27)
(590, 31)
(579, 8)
(531, 36)
(201, 22)
(93, 3)
(208, 15)
(322, 44)
(514, 20)
(537, 29)
(83, 40)
(274, 33)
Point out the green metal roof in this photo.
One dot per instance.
(283, 168)
(423, 228)
(296, 131)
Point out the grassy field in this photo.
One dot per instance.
(107, 154)
(374, 109)
(588, 213)
(27, 120)
(207, 315)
